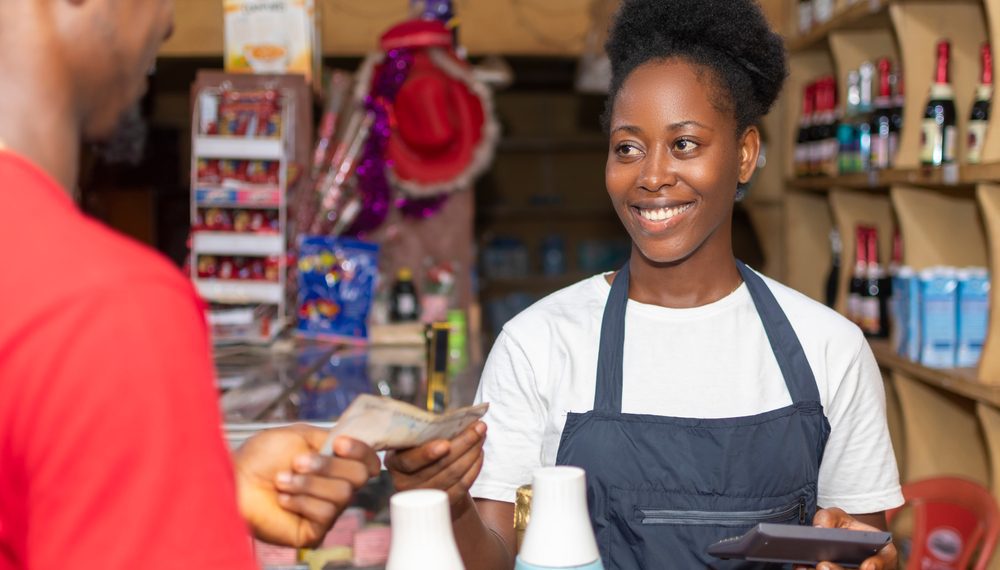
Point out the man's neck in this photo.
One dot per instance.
(38, 119)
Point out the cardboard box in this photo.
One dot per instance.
(271, 36)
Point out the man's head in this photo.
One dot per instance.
(102, 49)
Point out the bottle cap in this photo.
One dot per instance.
(422, 536)
(404, 274)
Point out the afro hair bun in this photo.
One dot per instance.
(731, 36)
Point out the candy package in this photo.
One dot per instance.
(336, 285)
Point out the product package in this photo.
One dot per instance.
(939, 331)
(337, 280)
(973, 315)
(329, 392)
(907, 303)
(271, 36)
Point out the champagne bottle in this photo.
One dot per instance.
(854, 295)
(882, 129)
(873, 303)
(980, 116)
(828, 139)
(898, 100)
(939, 125)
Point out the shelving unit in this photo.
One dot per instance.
(250, 309)
(942, 421)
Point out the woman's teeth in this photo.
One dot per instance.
(660, 214)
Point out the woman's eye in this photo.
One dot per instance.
(626, 149)
(685, 145)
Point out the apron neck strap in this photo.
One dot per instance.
(792, 362)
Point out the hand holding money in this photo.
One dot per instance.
(384, 423)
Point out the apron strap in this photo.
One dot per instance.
(610, 355)
(792, 362)
(785, 344)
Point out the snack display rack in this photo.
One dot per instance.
(239, 209)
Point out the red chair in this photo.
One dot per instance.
(953, 517)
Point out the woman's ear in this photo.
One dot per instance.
(749, 151)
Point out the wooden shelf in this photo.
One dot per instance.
(864, 14)
(532, 283)
(960, 381)
(958, 177)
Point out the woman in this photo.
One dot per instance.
(685, 383)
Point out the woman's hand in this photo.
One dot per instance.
(886, 558)
(451, 466)
(289, 493)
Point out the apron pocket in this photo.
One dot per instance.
(652, 529)
(793, 513)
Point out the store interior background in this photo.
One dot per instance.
(547, 176)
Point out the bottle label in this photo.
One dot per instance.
(950, 138)
(880, 151)
(407, 304)
(871, 318)
(931, 142)
(854, 308)
(977, 137)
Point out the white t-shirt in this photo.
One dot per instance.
(712, 361)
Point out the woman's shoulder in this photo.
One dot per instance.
(813, 321)
(570, 307)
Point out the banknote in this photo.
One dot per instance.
(384, 423)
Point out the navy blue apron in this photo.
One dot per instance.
(662, 489)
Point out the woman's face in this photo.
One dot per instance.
(675, 160)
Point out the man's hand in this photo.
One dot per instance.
(886, 558)
(291, 495)
(451, 466)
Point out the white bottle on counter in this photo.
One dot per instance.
(559, 535)
(422, 536)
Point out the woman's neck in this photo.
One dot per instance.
(704, 277)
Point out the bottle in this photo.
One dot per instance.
(404, 304)
(827, 138)
(980, 116)
(939, 130)
(873, 301)
(422, 536)
(559, 533)
(833, 277)
(858, 276)
(805, 16)
(847, 138)
(802, 141)
(888, 289)
(815, 147)
(864, 119)
(882, 129)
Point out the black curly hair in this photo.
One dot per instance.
(730, 38)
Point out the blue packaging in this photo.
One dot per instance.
(939, 326)
(912, 314)
(336, 278)
(973, 315)
(898, 304)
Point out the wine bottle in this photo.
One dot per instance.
(980, 116)
(858, 276)
(833, 276)
(847, 138)
(939, 125)
(803, 151)
(828, 141)
(873, 303)
(881, 125)
(864, 118)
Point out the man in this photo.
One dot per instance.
(110, 447)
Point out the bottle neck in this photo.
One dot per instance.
(942, 91)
